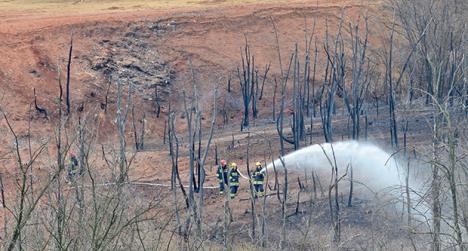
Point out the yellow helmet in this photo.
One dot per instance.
(258, 164)
(233, 165)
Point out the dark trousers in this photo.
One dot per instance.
(72, 173)
(234, 191)
(259, 189)
(221, 186)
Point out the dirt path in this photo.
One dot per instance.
(34, 18)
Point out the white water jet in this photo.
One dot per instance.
(373, 168)
(375, 172)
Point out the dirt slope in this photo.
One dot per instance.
(150, 47)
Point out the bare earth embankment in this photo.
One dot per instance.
(162, 48)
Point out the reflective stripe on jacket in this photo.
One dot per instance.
(258, 178)
(234, 177)
(222, 170)
(73, 166)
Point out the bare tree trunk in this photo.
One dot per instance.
(135, 134)
(68, 75)
(313, 81)
(314, 183)
(451, 173)
(106, 98)
(165, 132)
(174, 153)
(351, 183)
(2, 191)
(191, 200)
(203, 160)
(157, 101)
(298, 195)
(251, 191)
(142, 132)
(283, 206)
(267, 68)
(337, 224)
(334, 181)
(337, 74)
(435, 188)
(273, 108)
(38, 108)
(407, 190)
(391, 98)
(247, 82)
(355, 100)
(121, 121)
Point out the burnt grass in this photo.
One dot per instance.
(362, 224)
(126, 61)
(129, 55)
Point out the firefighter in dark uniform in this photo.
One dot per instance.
(233, 180)
(222, 174)
(258, 178)
(72, 167)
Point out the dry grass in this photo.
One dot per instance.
(92, 6)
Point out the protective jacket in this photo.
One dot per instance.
(234, 177)
(258, 177)
(222, 172)
(72, 166)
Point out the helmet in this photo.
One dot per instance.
(258, 164)
(233, 165)
(71, 154)
(223, 162)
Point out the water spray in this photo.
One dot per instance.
(372, 166)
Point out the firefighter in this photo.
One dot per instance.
(72, 167)
(222, 174)
(258, 178)
(233, 180)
